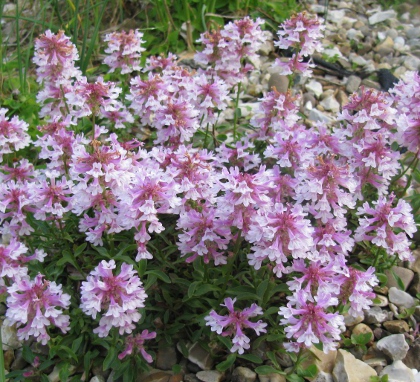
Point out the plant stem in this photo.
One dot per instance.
(235, 117)
(413, 164)
(2, 374)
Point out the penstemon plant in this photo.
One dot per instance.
(136, 220)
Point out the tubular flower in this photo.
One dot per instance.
(120, 296)
(234, 323)
(137, 343)
(36, 304)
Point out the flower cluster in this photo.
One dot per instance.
(119, 296)
(35, 305)
(282, 199)
(235, 323)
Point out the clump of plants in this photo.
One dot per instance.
(133, 216)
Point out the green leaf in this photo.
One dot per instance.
(27, 354)
(309, 372)
(80, 249)
(205, 288)
(230, 360)
(251, 358)
(225, 341)
(383, 279)
(191, 289)
(361, 339)
(294, 378)
(76, 344)
(400, 283)
(265, 369)
(109, 359)
(262, 288)
(159, 274)
(272, 357)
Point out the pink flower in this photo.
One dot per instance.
(13, 134)
(356, 289)
(384, 221)
(136, 343)
(119, 296)
(234, 324)
(55, 55)
(124, 51)
(35, 304)
(308, 322)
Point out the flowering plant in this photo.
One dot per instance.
(143, 218)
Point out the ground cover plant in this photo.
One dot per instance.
(140, 218)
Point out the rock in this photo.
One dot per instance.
(324, 362)
(400, 298)
(336, 16)
(412, 32)
(243, 374)
(97, 378)
(356, 59)
(406, 275)
(166, 356)
(375, 315)
(415, 265)
(273, 377)
(412, 359)
(323, 377)
(351, 321)
(353, 34)
(9, 336)
(9, 356)
(342, 98)
(198, 356)
(314, 87)
(376, 362)
(349, 369)
(378, 17)
(394, 346)
(396, 326)
(191, 378)
(415, 285)
(267, 47)
(316, 115)
(412, 63)
(210, 376)
(330, 104)
(385, 47)
(111, 377)
(353, 84)
(398, 372)
(280, 82)
(54, 376)
(19, 362)
(371, 84)
(382, 301)
(362, 329)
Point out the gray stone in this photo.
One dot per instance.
(353, 84)
(382, 301)
(330, 104)
(97, 378)
(349, 320)
(9, 336)
(349, 369)
(400, 298)
(243, 374)
(378, 17)
(406, 275)
(385, 47)
(190, 378)
(412, 62)
(273, 377)
(412, 359)
(375, 315)
(19, 362)
(280, 82)
(210, 376)
(396, 326)
(415, 265)
(323, 377)
(336, 16)
(376, 362)
(314, 87)
(398, 372)
(413, 32)
(317, 115)
(394, 346)
(198, 356)
(54, 376)
(358, 60)
(166, 356)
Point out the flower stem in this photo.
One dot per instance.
(2, 374)
(235, 117)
